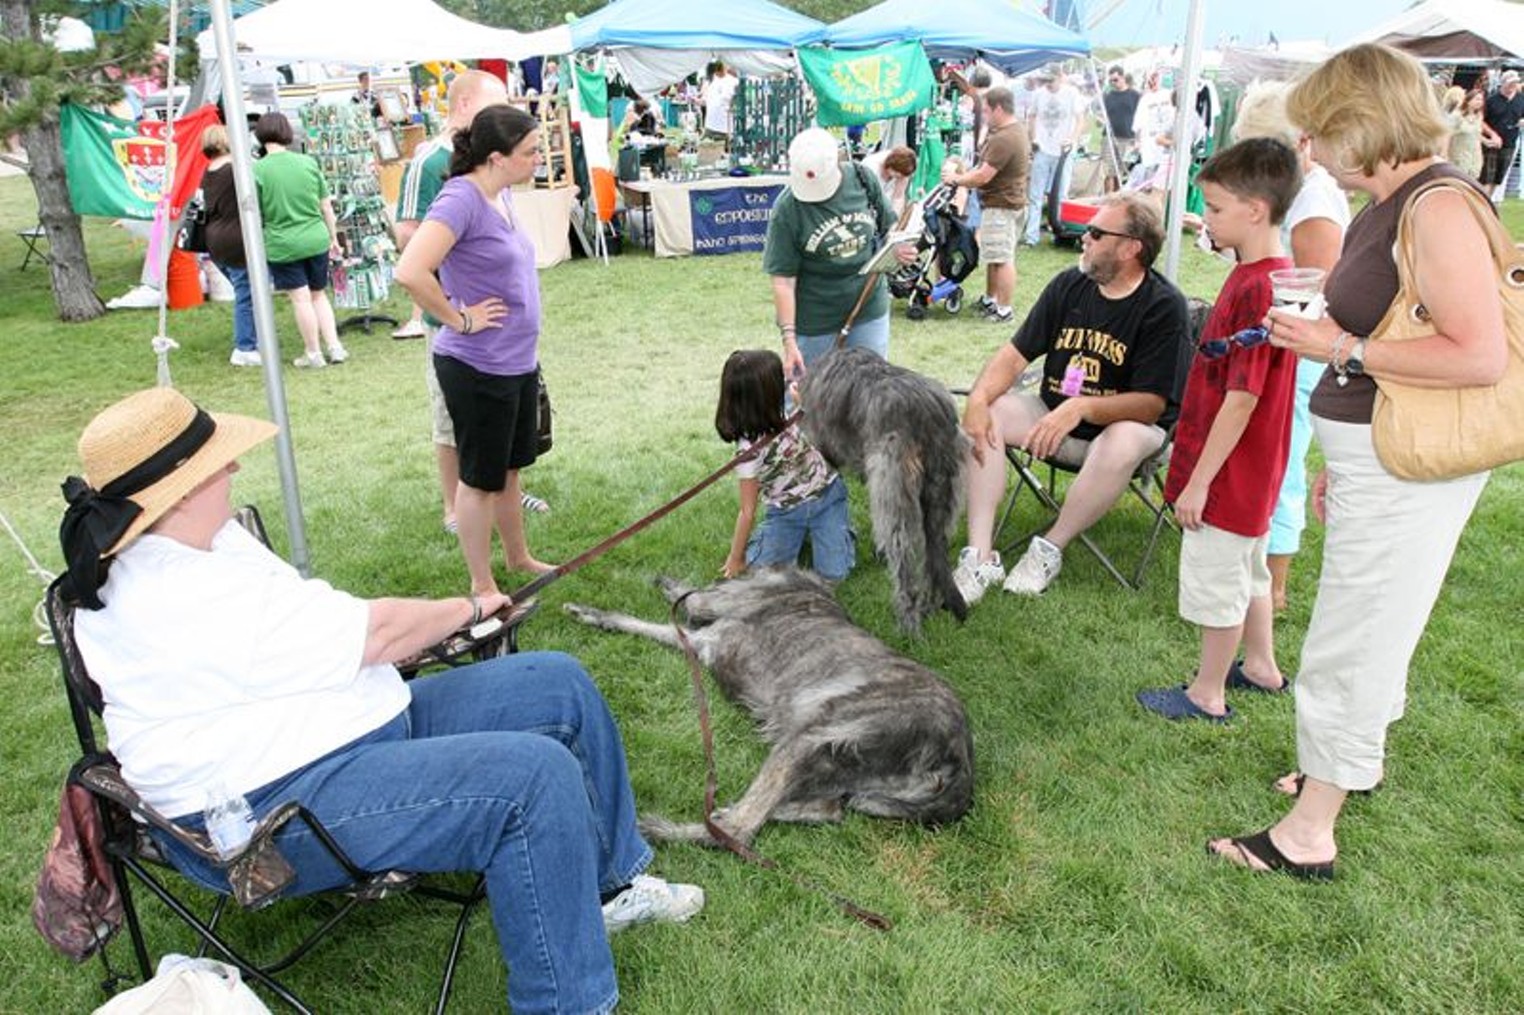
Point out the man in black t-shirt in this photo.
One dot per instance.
(1121, 103)
(1503, 111)
(1114, 336)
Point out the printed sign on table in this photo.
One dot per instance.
(731, 219)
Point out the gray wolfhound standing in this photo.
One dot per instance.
(852, 725)
(899, 431)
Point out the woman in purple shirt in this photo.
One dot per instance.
(471, 265)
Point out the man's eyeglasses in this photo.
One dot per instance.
(1216, 348)
(1097, 233)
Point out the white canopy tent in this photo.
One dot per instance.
(657, 43)
(371, 32)
(1455, 31)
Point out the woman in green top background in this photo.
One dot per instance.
(301, 233)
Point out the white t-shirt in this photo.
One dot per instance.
(896, 189)
(1155, 115)
(1319, 198)
(717, 95)
(227, 667)
(1053, 117)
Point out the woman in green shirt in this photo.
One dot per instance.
(301, 234)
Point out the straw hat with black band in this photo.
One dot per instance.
(141, 457)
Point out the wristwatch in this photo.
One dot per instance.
(1354, 363)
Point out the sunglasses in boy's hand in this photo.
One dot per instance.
(1216, 348)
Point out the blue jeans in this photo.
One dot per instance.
(780, 537)
(871, 335)
(1290, 516)
(1045, 166)
(512, 767)
(243, 307)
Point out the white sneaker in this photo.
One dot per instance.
(139, 297)
(973, 578)
(649, 899)
(245, 358)
(1036, 569)
(337, 354)
(309, 361)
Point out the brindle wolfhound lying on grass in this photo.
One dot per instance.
(852, 724)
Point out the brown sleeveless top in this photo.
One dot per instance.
(1362, 286)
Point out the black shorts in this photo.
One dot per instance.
(494, 418)
(308, 273)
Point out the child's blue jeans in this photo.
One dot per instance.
(823, 519)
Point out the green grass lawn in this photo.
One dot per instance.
(1078, 882)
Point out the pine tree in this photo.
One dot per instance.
(35, 79)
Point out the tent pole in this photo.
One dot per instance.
(259, 280)
(1181, 170)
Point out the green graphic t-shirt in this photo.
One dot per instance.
(822, 245)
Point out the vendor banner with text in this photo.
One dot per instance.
(731, 219)
(855, 86)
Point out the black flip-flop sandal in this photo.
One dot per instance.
(1260, 847)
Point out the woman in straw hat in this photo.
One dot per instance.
(224, 671)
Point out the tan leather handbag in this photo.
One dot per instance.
(1442, 433)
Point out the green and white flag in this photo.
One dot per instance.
(593, 89)
(855, 86)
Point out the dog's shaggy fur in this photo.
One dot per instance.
(899, 431)
(852, 724)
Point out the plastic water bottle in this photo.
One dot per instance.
(229, 820)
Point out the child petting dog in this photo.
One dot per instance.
(1233, 438)
(804, 495)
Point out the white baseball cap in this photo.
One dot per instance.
(814, 165)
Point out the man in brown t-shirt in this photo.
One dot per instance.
(1001, 178)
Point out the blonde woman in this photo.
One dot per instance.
(1469, 132)
(1376, 126)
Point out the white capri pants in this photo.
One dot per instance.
(1388, 545)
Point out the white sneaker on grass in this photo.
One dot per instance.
(1036, 569)
(245, 358)
(974, 578)
(312, 360)
(337, 354)
(651, 899)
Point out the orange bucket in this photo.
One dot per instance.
(184, 282)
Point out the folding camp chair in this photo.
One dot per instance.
(33, 238)
(257, 873)
(1146, 483)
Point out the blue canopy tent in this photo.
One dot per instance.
(659, 42)
(1005, 37)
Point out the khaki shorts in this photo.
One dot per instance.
(443, 425)
(1220, 572)
(998, 230)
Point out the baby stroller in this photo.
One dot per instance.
(946, 252)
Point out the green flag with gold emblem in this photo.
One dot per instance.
(855, 86)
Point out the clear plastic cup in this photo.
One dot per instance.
(1298, 291)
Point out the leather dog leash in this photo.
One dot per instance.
(589, 555)
(711, 783)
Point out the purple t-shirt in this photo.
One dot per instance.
(490, 258)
